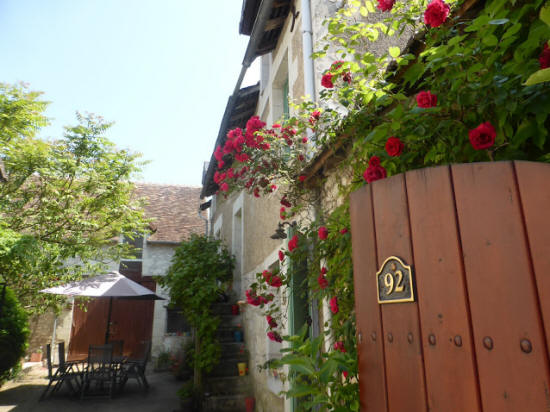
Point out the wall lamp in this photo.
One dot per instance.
(280, 232)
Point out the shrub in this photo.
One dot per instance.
(14, 333)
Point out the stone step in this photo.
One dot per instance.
(231, 385)
(232, 349)
(229, 403)
(223, 309)
(227, 367)
(226, 333)
(230, 320)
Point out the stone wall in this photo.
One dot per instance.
(42, 328)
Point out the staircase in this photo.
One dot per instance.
(225, 390)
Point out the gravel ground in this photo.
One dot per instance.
(22, 395)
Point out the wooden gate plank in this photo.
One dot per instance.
(370, 341)
(534, 187)
(451, 376)
(403, 356)
(501, 290)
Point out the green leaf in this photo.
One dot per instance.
(414, 72)
(490, 40)
(540, 76)
(394, 51)
(499, 21)
(545, 13)
(327, 370)
(298, 390)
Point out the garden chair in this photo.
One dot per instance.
(118, 346)
(66, 372)
(135, 368)
(99, 373)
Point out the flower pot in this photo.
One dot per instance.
(249, 403)
(235, 309)
(238, 336)
(36, 357)
(242, 368)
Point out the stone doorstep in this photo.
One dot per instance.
(235, 385)
(227, 367)
(229, 403)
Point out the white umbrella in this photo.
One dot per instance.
(111, 285)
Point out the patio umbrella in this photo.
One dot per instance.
(111, 285)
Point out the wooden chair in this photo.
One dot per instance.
(99, 372)
(135, 368)
(64, 373)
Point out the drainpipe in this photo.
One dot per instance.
(307, 41)
(205, 222)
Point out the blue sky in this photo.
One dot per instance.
(162, 70)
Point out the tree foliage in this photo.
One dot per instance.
(199, 272)
(65, 200)
(13, 334)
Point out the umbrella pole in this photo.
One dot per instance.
(109, 320)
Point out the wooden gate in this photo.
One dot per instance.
(131, 321)
(476, 337)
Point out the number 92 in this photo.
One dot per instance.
(393, 285)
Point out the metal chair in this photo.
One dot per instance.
(135, 368)
(99, 372)
(64, 373)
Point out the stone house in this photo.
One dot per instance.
(283, 34)
(175, 216)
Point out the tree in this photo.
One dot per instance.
(64, 200)
(200, 268)
(13, 334)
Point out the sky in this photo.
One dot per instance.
(161, 70)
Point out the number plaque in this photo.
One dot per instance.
(395, 282)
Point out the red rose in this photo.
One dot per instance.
(293, 243)
(374, 161)
(385, 5)
(313, 118)
(347, 77)
(426, 99)
(436, 13)
(276, 126)
(345, 374)
(326, 81)
(281, 255)
(275, 281)
(373, 173)
(394, 146)
(544, 58)
(336, 65)
(272, 323)
(256, 192)
(322, 281)
(301, 157)
(274, 336)
(282, 213)
(322, 232)
(334, 305)
(344, 231)
(301, 178)
(221, 164)
(339, 346)
(224, 187)
(252, 298)
(323, 270)
(285, 202)
(483, 136)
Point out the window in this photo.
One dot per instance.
(176, 322)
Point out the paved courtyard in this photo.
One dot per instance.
(22, 395)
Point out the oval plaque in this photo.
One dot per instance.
(395, 282)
